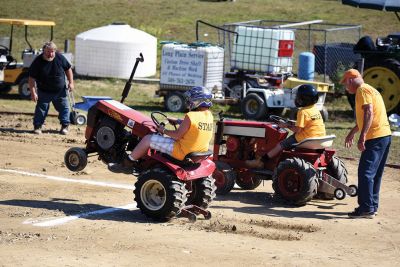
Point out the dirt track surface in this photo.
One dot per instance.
(38, 227)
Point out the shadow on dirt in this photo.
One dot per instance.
(266, 204)
(77, 209)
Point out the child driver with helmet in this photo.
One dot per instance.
(194, 133)
(309, 124)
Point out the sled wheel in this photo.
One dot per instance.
(339, 193)
(253, 107)
(23, 88)
(80, 119)
(353, 190)
(337, 170)
(203, 192)
(295, 181)
(175, 102)
(224, 178)
(159, 194)
(75, 159)
(247, 180)
(384, 76)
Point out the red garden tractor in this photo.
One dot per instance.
(309, 169)
(165, 187)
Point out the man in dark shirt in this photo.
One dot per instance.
(47, 85)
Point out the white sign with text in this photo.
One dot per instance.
(182, 66)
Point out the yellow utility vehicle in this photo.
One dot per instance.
(13, 72)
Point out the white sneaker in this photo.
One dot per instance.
(64, 130)
(37, 130)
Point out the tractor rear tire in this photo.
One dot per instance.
(248, 181)
(384, 76)
(159, 194)
(254, 107)
(337, 170)
(23, 88)
(224, 178)
(203, 192)
(295, 181)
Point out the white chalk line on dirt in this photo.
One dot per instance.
(58, 221)
(64, 179)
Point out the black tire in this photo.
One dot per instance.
(339, 194)
(353, 190)
(175, 102)
(247, 182)
(5, 88)
(23, 88)
(384, 75)
(295, 181)
(75, 159)
(235, 92)
(337, 170)
(80, 119)
(224, 178)
(203, 192)
(159, 194)
(253, 107)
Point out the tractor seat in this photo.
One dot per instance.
(192, 159)
(316, 142)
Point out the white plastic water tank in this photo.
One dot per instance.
(263, 50)
(111, 51)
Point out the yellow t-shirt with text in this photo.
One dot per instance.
(310, 121)
(198, 137)
(380, 127)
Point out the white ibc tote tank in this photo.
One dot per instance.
(111, 51)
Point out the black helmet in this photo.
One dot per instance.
(306, 95)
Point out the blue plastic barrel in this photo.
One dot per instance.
(306, 66)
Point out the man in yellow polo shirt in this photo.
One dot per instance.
(194, 134)
(374, 142)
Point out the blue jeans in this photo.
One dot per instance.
(370, 170)
(60, 103)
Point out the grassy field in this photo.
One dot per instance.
(175, 20)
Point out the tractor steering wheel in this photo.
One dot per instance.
(279, 119)
(159, 122)
(4, 50)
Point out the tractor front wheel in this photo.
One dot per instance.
(248, 180)
(159, 194)
(295, 181)
(75, 159)
(224, 177)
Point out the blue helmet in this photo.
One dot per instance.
(198, 97)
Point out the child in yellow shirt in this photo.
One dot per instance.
(309, 123)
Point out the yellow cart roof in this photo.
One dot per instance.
(27, 22)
